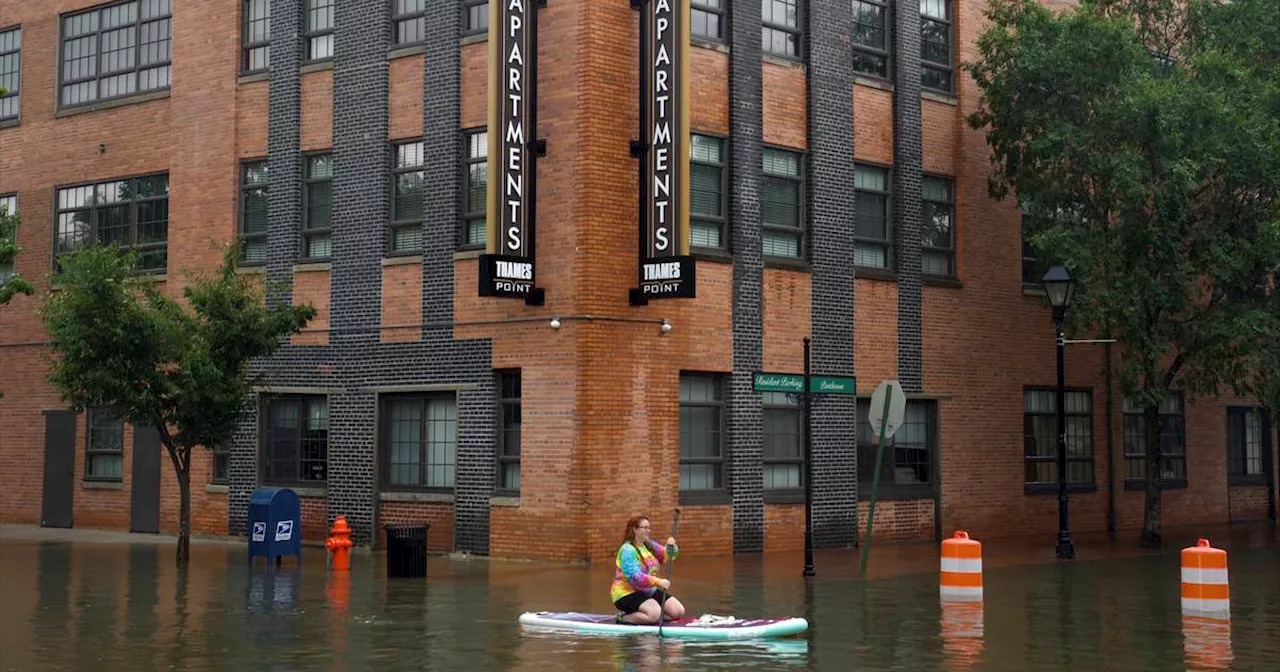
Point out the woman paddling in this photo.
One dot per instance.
(637, 589)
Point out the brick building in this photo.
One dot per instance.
(836, 193)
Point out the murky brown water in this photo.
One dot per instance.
(112, 606)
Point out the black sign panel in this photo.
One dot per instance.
(508, 267)
(666, 269)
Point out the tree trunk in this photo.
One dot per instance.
(181, 458)
(1151, 513)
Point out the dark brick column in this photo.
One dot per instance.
(352, 464)
(242, 467)
(830, 207)
(442, 134)
(745, 412)
(477, 466)
(284, 125)
(906, 194)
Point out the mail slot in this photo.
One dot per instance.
(275, 524)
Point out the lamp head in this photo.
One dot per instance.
(1059, 286)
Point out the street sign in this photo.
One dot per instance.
(889, 392)
(777, 382)
(833, 384)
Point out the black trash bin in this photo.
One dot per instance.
(406, 550)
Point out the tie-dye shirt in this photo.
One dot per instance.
(637, 568)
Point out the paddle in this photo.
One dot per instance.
(662, 603)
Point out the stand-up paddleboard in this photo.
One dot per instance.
(707, 626)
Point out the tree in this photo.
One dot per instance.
(118, 341)
(10, 283)
(1145, 134)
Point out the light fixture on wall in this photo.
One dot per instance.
(666, 326)
(555, 323)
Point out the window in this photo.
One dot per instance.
(871, 37)
(1173, 453)
(319, 32)
(420, 441)
(783, 442)
(872, 247)
(221, 455)
(780, 33)
(509, 423)
(1040, 436)
(701, 432)
(474, 224)
(1032, 269)
(254, 185)
(1247, 438)
(132, 213)
(937, 237)
(410, 19)
(936, 70)
(318, 210)
(908, 460)
(8, 206)
(781, 213)
(10, 73)
(475, 16)
(115, 51)
(706, 19)
(707, 192)
(407, 177)
(257, 35)
(297, 447)
(104, 451)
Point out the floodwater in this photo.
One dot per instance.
(67, 603)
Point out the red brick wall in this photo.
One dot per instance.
(438, 514)
(708, 91)
(317, 111)
(873, 124)
(786, 311)
(405, 98)
(1248, 502)
(312, 287)
(783, 527)
(786, 115)
(402, 302)
(896, 519)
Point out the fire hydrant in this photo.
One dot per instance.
(339, 545)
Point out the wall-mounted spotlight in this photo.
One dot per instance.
(555, 323)
(666, 326)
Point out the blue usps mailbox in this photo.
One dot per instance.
(275, 524)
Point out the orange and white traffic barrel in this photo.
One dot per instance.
(961, 575)
(1204, 580)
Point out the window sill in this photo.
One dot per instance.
(408, 496)
(712, 498)
(867, 273)
(1247, 481)
(102, 485)
(505, 500)
(402, 260)
(941, 281)
(784, 496)
(708, 43)
(939, 97)
(256, 269)
(1166, 484)
(406, 50)
(299, 490)
(109, 104)
(217, 488)
(317, 66)
(312, 267)
(1032, 290)
(873, 82)
(788, 263)
(10, 123)
(473, 253)
(1052, 488)
(711, 254)
(251, 77)
(895, 493)
(473, 38)
(783, 61)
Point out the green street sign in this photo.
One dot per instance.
(833, 384)
(778, 382)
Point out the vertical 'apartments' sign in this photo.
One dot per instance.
(507, 268)
(666, 269)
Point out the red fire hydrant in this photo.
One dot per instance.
(339, 545)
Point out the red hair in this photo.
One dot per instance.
(632, 524)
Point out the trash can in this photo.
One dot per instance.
(406, 550)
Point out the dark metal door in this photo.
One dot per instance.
(145, 486)
(59, 469)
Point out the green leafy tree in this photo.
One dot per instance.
(118, 341)
(10, 283)
(1145, 136)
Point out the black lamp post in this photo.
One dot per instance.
(1059, 286)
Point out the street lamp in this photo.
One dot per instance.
(1059, 286)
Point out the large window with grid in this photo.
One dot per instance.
(257, 36)
(937, 69)
(873, 245)
(104, 446)
(408, 174)
(780, 32)
(254, 186)
(707, 192)
(476, 185)
(1248, 436)
(131, 213)
(509, 422)
(475, 16)
(1040, 436)
(701, 433)
(782, 204)
(907, 467)
(319, 29)
(10, 73)
(419, 441)
(8, 207)
(297, 441)
(114, 51)
(783, 442)
(706, 19)
(1173, 441)
(317, 220)
(410, 21)
(871, 37)
(937, 229)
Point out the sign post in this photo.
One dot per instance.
(888, 407)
